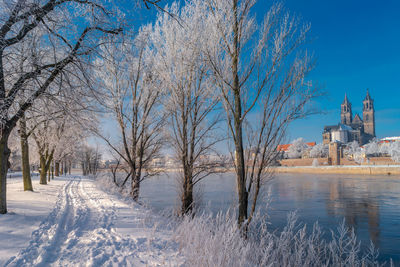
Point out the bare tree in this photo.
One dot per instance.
(258, 69)
(49, 23)
(191, 99)
(114, 170)
(89, 159)
(134, 101)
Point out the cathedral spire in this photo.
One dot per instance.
(367, 97)
(345, 101)
(369, 115)
(346, 114)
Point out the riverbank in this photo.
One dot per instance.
(343, 169)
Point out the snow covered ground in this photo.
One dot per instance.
(72, 222)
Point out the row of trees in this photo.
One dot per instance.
(211, 72)
(46, 53)
(374, 149)
(352, 150)
(299, 148)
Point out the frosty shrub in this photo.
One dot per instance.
(354, 152)
(372, 148)
(297, 148)
(319, 151)
(216, 241)
(394, 151)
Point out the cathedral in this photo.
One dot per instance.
(352, 128)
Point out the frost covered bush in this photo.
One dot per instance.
(372, 148)
(394, 151)
(391, 149)
(297, 148)
(104, 181)
(216, 241)
(315, 163)
(319, 151)
(354, 152)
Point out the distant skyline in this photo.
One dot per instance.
(356, 44)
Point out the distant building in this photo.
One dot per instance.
(352, 128)
(390, 139)
(285, 147)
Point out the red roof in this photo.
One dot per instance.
(285, 147)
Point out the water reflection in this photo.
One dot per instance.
(354, 207)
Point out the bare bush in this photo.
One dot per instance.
(217, 241)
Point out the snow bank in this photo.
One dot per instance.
(26, 210)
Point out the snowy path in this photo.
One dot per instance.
(91, 228)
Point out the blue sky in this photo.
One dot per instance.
(356, 44)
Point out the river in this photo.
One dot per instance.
(369, 204)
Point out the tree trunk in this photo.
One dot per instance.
(4, 164)
(62, 168)
(52, 171)
(57, 168)
(187, 197)
(239, 153)
(43, 170)
(135, 187)
(48, 174)
(26, 172)
(83, 168)
(240, 175)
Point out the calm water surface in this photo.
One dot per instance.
(369, 204)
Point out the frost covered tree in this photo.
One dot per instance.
(373, 148)
(48, 128)
(180, 67)
(354, 152)
(258, 68)
(391, 149)
(58, 135)
(59, 37)
(131, 95)
(64, 105)
(70, 143)
(89, 159)
(394, 151)
(319, 151)
(297, 148)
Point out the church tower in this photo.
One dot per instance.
(369, 115)
(346, 115)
